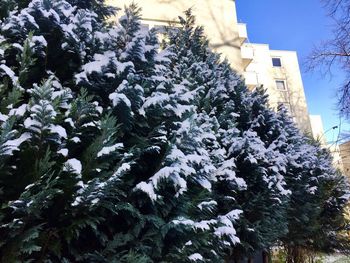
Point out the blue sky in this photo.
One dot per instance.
(297, 25)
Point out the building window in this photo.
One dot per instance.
(276, 62)
(281, 85)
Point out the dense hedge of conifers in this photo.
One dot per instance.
(117, 148)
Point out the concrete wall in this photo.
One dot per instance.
(337, 159)
(344, 150)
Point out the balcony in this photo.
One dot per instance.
(247, 54)
(251, 79)
(242, 33)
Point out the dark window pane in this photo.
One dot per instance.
(276, 62)
(280, 84)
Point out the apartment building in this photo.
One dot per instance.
(276, 70)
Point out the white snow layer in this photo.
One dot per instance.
(109, 149)
(73, 165)
(64, 152)
(75, 139)
(9, 73)
(195, 257)
(20, 111)
(148, 189)
(59, 130)
(12, 145)
(39, 39)
(117, 98)
(3, 117)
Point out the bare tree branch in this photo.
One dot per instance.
(336, 51)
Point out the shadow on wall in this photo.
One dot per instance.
(211, 13)
(299, 110)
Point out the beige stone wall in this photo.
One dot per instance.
(345, 157)
(337, 158)
(217, 16)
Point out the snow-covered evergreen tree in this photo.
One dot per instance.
(173, 105)
(261, 164)
(315, 213)
(114, 148)
(54, 138)
(101, 174)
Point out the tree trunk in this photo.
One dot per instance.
(265, 257)
(296, 254)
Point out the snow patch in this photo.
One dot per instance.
(117, 98)
(195, 257)
(64, 152)
(73, 165)
(59, 130)
(148, 189)
(75, 139)
(108, 149)
(20, 111)
(9, 73)
(12, 145)
(39, 39)
(3, 117)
